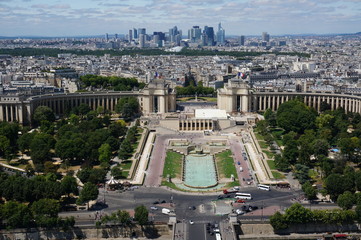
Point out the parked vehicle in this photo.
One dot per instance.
(166, 211)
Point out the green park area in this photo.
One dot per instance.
(225, 164)
(173, 165)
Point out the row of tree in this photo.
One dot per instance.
(123, 218)
(297, 214)
(22, 189)
(53, 52)
(41, 213)
(111, 83)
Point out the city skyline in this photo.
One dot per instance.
(277, 17)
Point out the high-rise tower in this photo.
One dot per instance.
(221, 35)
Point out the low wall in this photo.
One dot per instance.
(152, 231)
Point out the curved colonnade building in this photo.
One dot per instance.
(157, 97)
(236, 96)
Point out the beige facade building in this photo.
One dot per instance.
(157, 97)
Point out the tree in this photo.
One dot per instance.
(16, 215)
(324, 106)
(301, 173)
(40, 147)
(89, 192)
(270, 117)
(128, 107)
(278, 221)
(295, 116)
(320, 147)
(309, 190)
(43, 113)
(124, 217)
(105, 153)
(116, 172)
(298, 214)
(358, 212)
(141, 215)
(262, 127)
(24, 141)
(346, 200)
(45, 207)
(83, 109)
(69, 185)
(281, 163)
(4, 146)
(336, 184)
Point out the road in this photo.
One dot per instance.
(204, 203)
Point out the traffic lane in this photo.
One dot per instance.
(237, 149)
(197, 231)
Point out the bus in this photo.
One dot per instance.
(264, 187)
(246, 196)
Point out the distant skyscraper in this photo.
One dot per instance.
(221, 35)
(242, 40)
(130, 35)
(210, 35)
(194, 34)
(107, 37)
(172, 33)
(141, 31)
(141, 40)
(135, 33)
(265, 37)
(116, 36)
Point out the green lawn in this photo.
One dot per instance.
(173, 165)
(271, 164)
(126, 165)
(277, 134)
(172, 185)
(125, 174)
(263, 144)
(259, 136)
(269, 154)
(225, 164)
(277, 175)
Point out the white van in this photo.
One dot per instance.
(165, 211)
(264, 187)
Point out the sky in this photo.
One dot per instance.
(238, 17)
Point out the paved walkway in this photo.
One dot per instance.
(143, 162)
(256, 158)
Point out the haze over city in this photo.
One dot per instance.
(240, 17)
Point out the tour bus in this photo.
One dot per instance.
(246, 196)
(264, 187)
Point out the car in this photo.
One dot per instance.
(191, 222)
(153, 208)
(241, 169)
(238, 163)
(252, 208)
(156, 202)
(164, 201)
(239, 212)
(192, 208)
(240, 201)
(220, 197)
